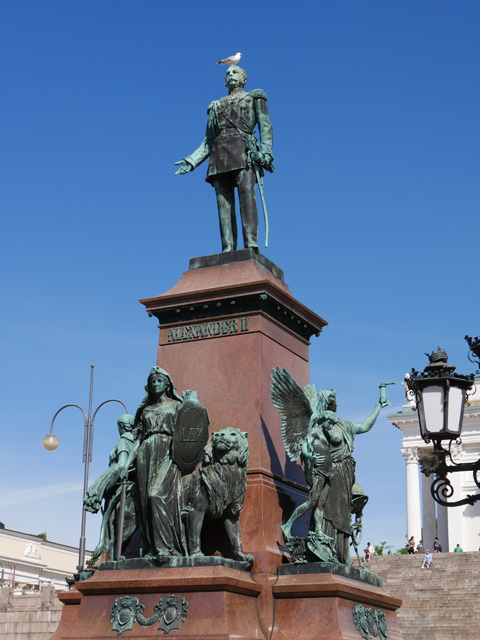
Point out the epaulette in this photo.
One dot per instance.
(211, 105)
(258, 93)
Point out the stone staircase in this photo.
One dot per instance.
(29, 617)
(440, 603)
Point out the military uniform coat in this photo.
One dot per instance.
(230, 132)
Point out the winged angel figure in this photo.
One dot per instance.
(305, 437)
(313, 432)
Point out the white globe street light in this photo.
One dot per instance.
(50, 443)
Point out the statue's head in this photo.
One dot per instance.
(235, 77)
(125, 423)
(332, 400)
(157, 374)
(327, 400)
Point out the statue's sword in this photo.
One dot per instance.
(260, 188)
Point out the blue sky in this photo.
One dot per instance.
(372, 207)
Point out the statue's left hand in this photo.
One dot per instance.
(262, 159)
(357, 526)
(185, 167)
(267, 159)
(319, 460)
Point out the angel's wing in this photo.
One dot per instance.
(290, 401)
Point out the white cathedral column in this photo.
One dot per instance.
(450, 519)
(442, 515)
(414, 526)
(428, 512)
(455, 515)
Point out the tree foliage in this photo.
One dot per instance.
(383, 549)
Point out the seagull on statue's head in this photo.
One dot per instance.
(231, 60)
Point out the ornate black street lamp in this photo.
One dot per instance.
(50, 443)
(474, 344)
(441, 395)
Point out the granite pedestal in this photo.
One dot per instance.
(223, 327)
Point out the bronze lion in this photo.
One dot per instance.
(216, 490)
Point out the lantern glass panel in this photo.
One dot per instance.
(455, 406)
(433, 407)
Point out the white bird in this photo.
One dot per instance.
(231, 60)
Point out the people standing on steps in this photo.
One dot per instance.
(410, 546)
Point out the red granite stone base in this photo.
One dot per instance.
(320, 607)
(226, 603)
(222, 603)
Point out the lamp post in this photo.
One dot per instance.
(441, 395)
(50, 443)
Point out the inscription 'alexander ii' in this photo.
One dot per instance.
(208, 329)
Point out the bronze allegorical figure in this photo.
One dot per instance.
(236, 160)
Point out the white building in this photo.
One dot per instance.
(456, 525)
(27, 562)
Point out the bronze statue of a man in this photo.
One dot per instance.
(236, 160)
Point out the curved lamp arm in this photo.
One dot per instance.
(64, 407)
(93, 421)
(50, 441)
(111, 400)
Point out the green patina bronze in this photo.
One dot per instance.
(216, 490)
(167, 498)
(236, 158)
(371, 623)
(313, 432)
(106, 488)
(169, 613)
(158, 478)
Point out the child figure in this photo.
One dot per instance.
(427, 560)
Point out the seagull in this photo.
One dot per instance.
(231, 60)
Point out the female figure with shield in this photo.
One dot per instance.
(159, 484)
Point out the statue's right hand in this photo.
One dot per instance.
(91, 504)
(185, 167)
(123, 474)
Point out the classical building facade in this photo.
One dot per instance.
(456, 525)
(28, 563)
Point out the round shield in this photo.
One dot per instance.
(191, 433)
